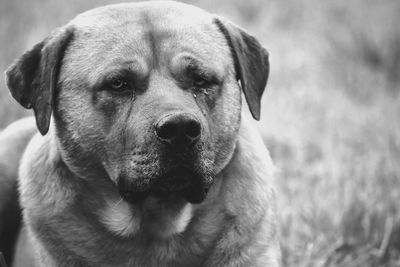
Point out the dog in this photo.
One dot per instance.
(143, 156)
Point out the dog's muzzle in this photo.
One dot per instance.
(177, 135)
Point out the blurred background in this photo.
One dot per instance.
(330, 115)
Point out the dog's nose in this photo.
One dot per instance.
(178, 129)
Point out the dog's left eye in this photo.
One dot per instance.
(119, 84)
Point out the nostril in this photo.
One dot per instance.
(166, 131)
(178, 129)
(193, 129)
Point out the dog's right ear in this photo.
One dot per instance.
(33, 77)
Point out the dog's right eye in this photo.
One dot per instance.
(119, 84)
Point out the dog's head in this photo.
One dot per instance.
(144, 94)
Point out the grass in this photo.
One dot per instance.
(333, 130)
(330, 116)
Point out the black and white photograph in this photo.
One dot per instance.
(209, 133)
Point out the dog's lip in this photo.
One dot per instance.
(130, 195)
(186, 183)
(181, 181)
(174, 180)
(194, 195)
(134, 197)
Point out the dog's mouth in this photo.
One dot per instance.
(176, 182)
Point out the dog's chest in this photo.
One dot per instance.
(183, 240)
(158, 220)
(180, 237)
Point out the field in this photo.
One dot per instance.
(330, 116)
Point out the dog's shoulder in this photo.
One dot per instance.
(42, 177)
(251, 169)
(249, 197)
(13, 141)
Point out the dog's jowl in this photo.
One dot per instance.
(142, 155)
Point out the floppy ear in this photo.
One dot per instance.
(32, 78)
(251, 63)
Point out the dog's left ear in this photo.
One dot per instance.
(32, 78)
(251, 63)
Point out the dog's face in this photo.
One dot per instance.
(147, 95)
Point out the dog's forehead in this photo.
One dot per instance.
(156, 12)
(150, 28)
